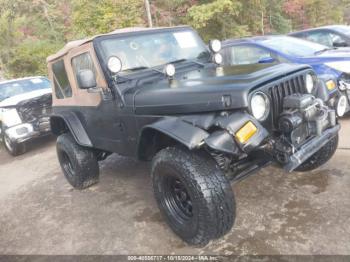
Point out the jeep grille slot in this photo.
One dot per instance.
(280, 91)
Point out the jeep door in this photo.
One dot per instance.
(94, 107)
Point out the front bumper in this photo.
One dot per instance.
(27, 131)
(304, 127)
(310, 148)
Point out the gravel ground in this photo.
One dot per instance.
(277, 213)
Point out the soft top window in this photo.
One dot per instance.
(82, 62)
(61, 82)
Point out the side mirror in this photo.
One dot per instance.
(340, 44)
(86, 79)
(267, 60)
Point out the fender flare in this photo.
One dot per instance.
(173, 128)
(73, 123)
(184, 133)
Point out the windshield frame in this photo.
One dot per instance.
(266, 43)
(97, 43)
(44, 79)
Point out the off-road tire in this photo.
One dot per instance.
(79, 164)
(13, 148)
(210, 193)
(321, 156)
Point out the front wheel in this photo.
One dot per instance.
(320, 157)
(12, 147)
(193, 195)
(79, 164)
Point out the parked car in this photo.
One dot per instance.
(25, 106)
(331, 36)
(331, 65)
(160, 95)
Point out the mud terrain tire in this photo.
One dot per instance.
(79, 164)
(193, 195)
(320, 157)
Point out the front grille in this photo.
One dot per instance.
(281, 90)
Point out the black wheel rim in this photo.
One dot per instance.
(177, 199)
(67, 165)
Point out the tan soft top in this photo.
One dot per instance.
(73, 44)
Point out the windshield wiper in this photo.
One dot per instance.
(325, 50)
(186, 60)
(177, 61)
(134, 69)
(137, 68)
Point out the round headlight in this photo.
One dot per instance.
(309, 83)
(341, 106)
(260, 106)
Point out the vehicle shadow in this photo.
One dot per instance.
(35, 146)
(39, 145)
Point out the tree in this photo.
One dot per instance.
(323, 12)
(29, 58)
(92, 17)
(32, 29)
(217, 19)
(171, 12)
(276, 21)
(29, 31)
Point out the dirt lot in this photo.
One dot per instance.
(278, 213)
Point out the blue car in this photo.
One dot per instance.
(328, 63)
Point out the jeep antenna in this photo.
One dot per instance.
(148, 11)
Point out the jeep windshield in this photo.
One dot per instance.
(143, 51)
(18, 87)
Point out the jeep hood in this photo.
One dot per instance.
(15, 100)
(207, 89)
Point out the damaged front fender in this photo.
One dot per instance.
(213, 130)
(234, 122)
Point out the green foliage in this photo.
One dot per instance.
(170, 12)
(217, 19)
(29, 58)
(30, 30)
(323, 12)
(92, 17)
(277, 22)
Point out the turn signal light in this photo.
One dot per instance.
(331, 85)
(246, 132)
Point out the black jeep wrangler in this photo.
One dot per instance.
(160, 94)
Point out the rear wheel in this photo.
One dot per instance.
(193, 195)
(320, 157)
(79, 164)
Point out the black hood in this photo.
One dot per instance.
(208, 89)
